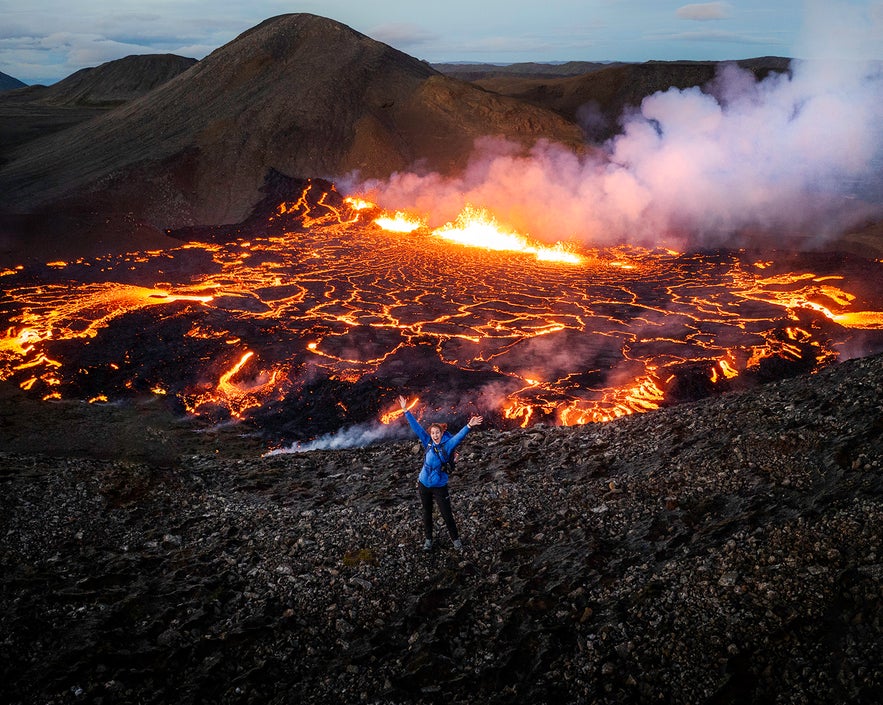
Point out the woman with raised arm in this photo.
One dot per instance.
(433, 481)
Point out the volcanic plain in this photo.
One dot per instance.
(723, 551)
(719, 551)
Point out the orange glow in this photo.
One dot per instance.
(267, 314)
(518, 411)
(237, 394)
(476, 227)
(722, 370)
(399, 223)
(814, 295)
(19, 343)
(860, 319)
(642, 395)
(727, 369)
(358, 204)
(391, 415)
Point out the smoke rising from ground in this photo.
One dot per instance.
(798, 156)
(357, 436)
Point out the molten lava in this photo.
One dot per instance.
(329, 308)
(399, 223)
(476, 227)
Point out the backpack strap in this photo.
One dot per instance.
(445, 460)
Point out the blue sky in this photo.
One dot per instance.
(43, 41)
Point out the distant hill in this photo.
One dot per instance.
(475, 72)
(598, 98)
(8, 83)
(298, 93)
(115, 82)
(35, 111)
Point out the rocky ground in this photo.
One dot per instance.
(727, 551)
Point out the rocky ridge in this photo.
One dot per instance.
(726, 551)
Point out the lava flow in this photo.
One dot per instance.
(317, 314)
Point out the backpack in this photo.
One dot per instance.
(447, 461)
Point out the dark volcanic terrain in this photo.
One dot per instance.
(726, 551)
(718, 552)
(597, 99)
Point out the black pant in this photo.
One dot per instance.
(443, 500)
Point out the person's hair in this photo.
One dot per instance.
(440, 426)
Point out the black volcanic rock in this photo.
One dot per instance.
(298, 93)
(721, 552)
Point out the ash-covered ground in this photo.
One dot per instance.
(722, 551)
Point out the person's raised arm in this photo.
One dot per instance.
(455, 440)
(413, 423)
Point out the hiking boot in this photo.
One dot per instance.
(458, 544)
(427, 545)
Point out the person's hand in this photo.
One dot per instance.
(403, 403)
(475, 421)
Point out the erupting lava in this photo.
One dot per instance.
(476, 227)
(317, 315)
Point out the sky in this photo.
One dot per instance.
(44, 41)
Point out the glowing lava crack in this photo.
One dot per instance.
(317, 315)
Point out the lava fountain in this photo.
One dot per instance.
(317, 312)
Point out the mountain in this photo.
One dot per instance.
(115, 82)
(35, 111)
(528, 69)
(298, 93)
(596, 99)
(8, 83)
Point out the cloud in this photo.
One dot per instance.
(47, 46)
(703, 12)
(718, 35)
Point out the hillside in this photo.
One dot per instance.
(8, 83)
(598, 98)
(36, 111)
(527, 69)
(115, 82)
(301, 94)
(726, 551)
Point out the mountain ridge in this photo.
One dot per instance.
(8, 83)
(298, 93)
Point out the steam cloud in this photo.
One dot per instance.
(798, 155)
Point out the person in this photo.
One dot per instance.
(432, 483)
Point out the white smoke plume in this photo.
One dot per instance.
(797, 155)
(357, 436)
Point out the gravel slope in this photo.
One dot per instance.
(726, 551)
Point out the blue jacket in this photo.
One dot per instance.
(431, 474)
